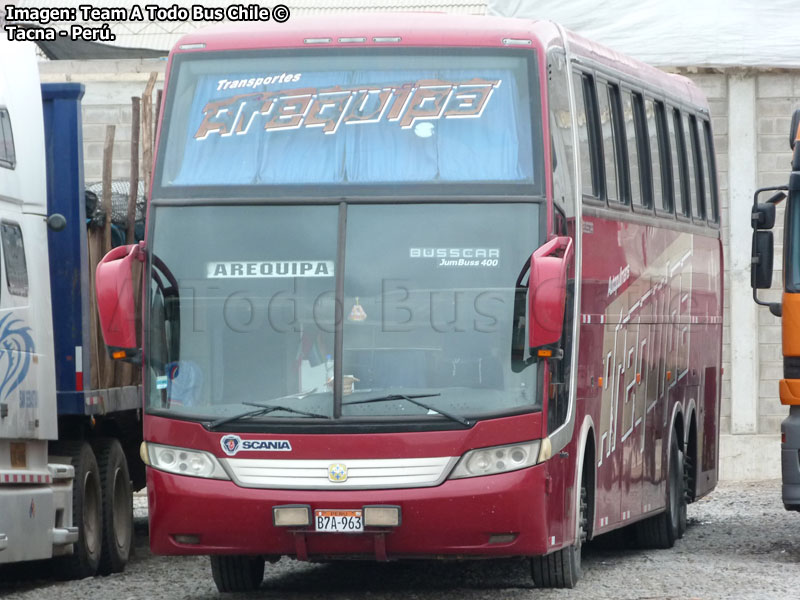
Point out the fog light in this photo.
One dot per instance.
(382, 516)
(502, 538)
(182, 538)
(291, 516)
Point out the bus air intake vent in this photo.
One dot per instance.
(362, 474)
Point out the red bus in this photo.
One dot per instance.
(422, 286)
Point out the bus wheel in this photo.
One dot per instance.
(86, 511)
(562, 569)
(688, 486)
(662, 530)
(115, 483)
(237, 573)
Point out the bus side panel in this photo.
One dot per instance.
(650, 339)
(706, 359)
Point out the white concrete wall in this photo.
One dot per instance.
(751, 111)
(110, 85)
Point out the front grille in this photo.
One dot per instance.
(361, 473)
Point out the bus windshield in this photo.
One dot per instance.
(242, 309)
(236, 122)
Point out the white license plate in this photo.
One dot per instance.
(338, 521)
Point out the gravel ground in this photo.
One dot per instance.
(741, 544)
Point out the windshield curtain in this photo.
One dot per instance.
(320, 119)
(242, 309)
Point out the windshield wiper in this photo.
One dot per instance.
(412, 398)
(265, 409)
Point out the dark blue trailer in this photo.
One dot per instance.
(99, 427)
(70, 276)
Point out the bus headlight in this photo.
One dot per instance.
(181, 461)
(497, 459)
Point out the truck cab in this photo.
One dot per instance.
(35, 494)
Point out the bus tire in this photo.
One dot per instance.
(688, 485)
(117, 507)
(662, 530)
(562, 568)
(86, 511)
(237, 573)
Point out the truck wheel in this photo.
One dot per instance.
(117, 506)
(86, 511)
(237, 573)
(662, 530)
(562, 568)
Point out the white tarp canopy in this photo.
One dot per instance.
(718, 33)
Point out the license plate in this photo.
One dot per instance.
(18, 459)
(338, 521)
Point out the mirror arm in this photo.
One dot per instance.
(774, 199)
(774, 307)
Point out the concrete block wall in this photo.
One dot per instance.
(751, 111)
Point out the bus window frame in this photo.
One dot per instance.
(589, 87)
(642, 152)
(712, 216)
(665, 157)
(612, 88)
(683, 215)
(699, 177)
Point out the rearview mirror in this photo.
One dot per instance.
(763, 216)
(116, 302)
(547, 291)
(761, 263)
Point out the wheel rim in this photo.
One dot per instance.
(91, 513)
(122, 510)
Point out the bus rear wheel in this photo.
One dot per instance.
(562, 569)
(662, 530)
(237, 573)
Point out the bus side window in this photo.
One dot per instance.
(676, 164)
(695, 180)
(14, 254)
(586, 145)
(637, 148)
(654, 112)
(563, 158)
(709, 173)
(8, 156)
(607, 99)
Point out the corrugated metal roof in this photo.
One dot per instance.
(162, 35)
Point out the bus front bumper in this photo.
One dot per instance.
(495, 515)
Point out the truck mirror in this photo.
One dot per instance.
(116, 302)
(547, 291)
(763, 215)
(794, 129)
(761, 262)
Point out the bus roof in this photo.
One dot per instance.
(417, 29)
